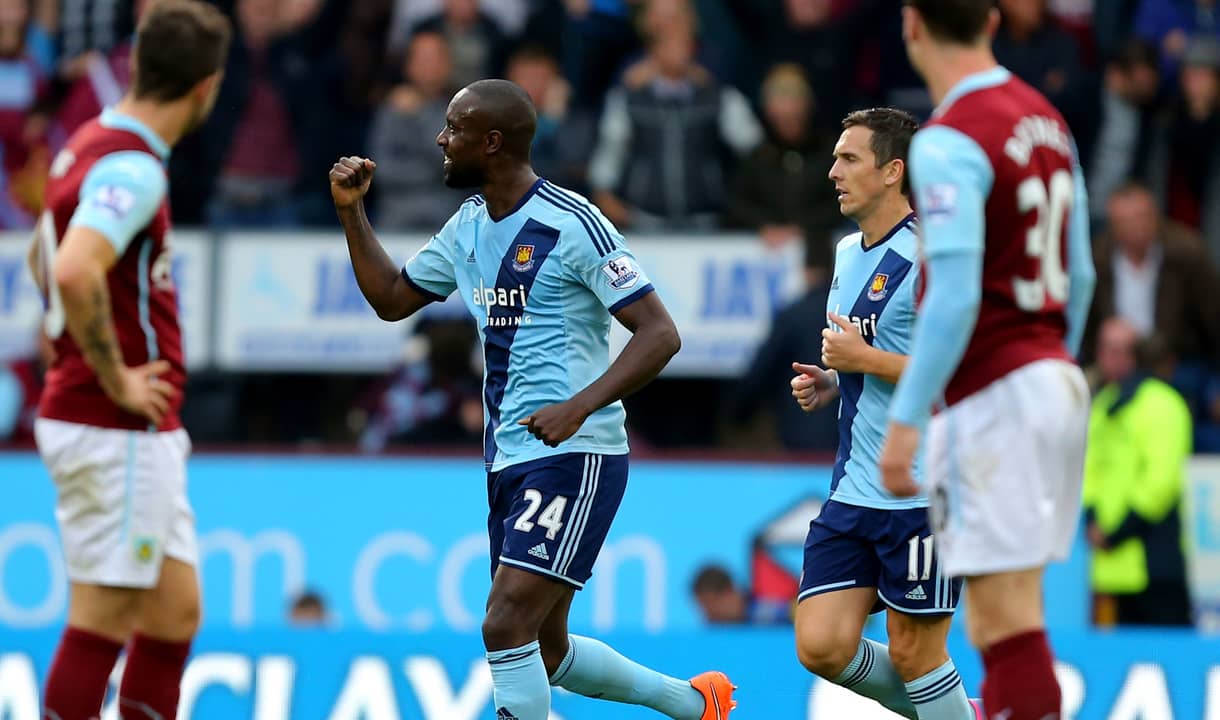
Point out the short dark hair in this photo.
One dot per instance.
(1134, 52)
(713, 579)
(955, 21)
(532, 54)
(178, 43)
(892, 132)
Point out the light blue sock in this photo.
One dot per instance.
(593, 669)
(940, 695)
(519, 678)
(871, 674)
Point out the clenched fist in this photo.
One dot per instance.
(350, 179)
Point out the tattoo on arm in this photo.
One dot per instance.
(92, 326)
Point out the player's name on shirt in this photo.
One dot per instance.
(1033, 132)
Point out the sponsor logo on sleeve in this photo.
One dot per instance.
(621, 273)
(115, 201)
(938, 203)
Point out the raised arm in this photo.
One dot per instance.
(383, 283)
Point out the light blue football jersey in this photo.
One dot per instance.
(874, 288)
(542, 283)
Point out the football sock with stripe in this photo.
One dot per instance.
(518, 677)
(871, 674)
(592, 668)
(940, 695)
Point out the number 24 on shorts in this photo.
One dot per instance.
(551, 518)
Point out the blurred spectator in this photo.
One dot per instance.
(435, 396)
(22, 148)
(720, 601)
(1076, 18)
(796, 332)
(1170, 24)
(509, 15)
(1185, 155)
(1135, 474)
(93, 78)
(93, 26)
(476, 43)
(822, 36)
(1129, 104)
(308, 610)
(1154, 274)
(566, 134)
(669, 139)
(598, 37)
(21, 381)
(262, 139)
(1113, 25)
(781, 190)
(1040, 53)
(410, 187)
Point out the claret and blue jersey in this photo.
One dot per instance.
(542, 283)
(874, 288)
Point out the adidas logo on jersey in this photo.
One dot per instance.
(539, 551)
(504, 714)
(470, 257)
(917, 594)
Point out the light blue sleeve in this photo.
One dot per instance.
(602, 263)
(120, 196)
(951, 178)
(430, 271)
(1082, 276)
(10, 402)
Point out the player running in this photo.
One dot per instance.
(1010, 277)
(542, 271)
(108, 427)
(868, 550)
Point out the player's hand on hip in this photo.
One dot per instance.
(844, 349)
(897, 459)
(350, 179)
(813, 387)
(555, 423)
(141, 391)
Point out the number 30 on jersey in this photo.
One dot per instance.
(1044, 241)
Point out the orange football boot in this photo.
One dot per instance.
(717, 692)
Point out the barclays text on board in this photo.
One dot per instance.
(321, 675)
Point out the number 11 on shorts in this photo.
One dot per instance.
(913, 573)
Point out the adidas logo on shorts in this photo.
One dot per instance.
(504, 714)
(539, 551)
(917, 594)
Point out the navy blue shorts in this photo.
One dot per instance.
(551, 516)
(891, 550)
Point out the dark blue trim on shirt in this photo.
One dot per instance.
(520, 203)
(893, 231)
(503, 321)
(434, 297)
(601, 238)
(638, 294)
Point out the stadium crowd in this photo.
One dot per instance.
(673, 116)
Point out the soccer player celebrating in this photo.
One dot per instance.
(1006, 241)
(867, 549)
(108, 426)
(542, 271)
